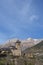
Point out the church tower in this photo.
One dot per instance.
(18, 44)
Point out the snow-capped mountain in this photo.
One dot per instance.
(30, 42)
(24, 43)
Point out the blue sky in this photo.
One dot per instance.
(21, 19)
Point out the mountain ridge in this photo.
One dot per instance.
(29, 42)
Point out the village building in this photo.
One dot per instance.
(16, 50)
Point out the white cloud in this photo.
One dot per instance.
(34, 17)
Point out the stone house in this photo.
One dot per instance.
(16, 50)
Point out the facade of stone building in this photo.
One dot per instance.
(16, 51)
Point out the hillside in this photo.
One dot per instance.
(36, 48)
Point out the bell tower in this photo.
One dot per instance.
(18, 44)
